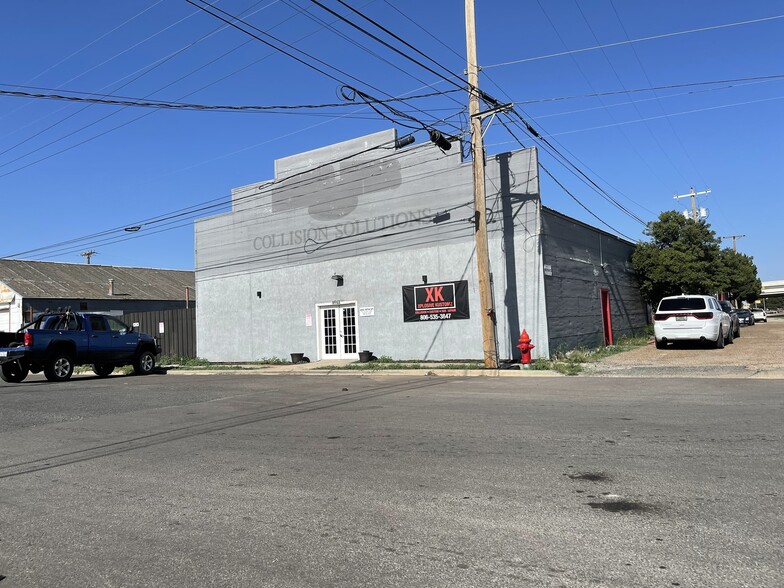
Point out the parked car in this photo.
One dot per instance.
(734, 321)
(745, 316)
(691, 318)
(760, 316)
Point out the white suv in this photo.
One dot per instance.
(760, 316)
(691, 318)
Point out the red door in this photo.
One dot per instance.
(606, 317)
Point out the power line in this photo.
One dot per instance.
(295, 180)
(655, 98)
(636, 109)
(355, 43)
(163, 105)
(697, 110)
(652, 88)
(583, 206)
(140, 73)
(405, 115)
(587, 80)
(565, 161)
(619, 43)
(103, 36)
(579, 173)
(452, 74)
(219, 14)
(569, 193)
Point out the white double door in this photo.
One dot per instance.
(338, 331)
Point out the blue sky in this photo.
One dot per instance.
(73, 174)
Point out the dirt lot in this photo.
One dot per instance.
(759, 353)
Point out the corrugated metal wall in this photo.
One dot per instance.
(175, 329)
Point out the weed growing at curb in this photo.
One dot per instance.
(189, 362)
(570, 363)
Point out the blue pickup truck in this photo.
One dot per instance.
(56, 342)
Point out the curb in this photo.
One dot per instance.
(276, 371)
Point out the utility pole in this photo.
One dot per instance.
(693, 195)
(480, 215)
(734, 240)
(89, 254)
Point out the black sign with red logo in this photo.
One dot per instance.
(435, 302)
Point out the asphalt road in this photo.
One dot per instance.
(388, 481)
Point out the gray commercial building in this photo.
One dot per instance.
(363, 246)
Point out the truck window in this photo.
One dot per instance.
(97, 323)
(61, 322)
(116, 326)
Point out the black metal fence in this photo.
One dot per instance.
(175, 329)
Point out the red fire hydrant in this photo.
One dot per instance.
(525, 347)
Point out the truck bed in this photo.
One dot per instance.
(6, 339)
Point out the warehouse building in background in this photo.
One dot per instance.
(28, 288)
(364, 246)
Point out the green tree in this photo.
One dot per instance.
(739, 276)
(682, 257)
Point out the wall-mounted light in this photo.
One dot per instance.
(258, 294)
(338, 279)
(424, 279)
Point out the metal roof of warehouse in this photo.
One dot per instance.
(43, 279)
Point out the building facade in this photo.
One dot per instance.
(362, 246)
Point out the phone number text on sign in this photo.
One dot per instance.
(435, 317)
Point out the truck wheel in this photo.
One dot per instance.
(59, 368)
(144, 363)
(102, 369)
(13, 371)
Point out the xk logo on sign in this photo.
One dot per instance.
(437, 297)
(435, 294)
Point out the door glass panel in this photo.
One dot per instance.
(330, 332)
(349, 330)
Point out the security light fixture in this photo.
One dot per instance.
(424, 279)
(338, 278)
